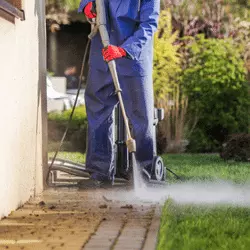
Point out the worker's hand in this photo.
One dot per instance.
(113, 52)
(90, 11)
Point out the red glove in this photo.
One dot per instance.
(113, 52)
(89, 11)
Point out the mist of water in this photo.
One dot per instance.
(217, 192)
(214, 193)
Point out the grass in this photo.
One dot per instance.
(71, 156)
(207, 167)
(189, 227)
(193, 227)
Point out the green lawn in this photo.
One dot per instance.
(207, 167)
(190, 227)
(75, 156)
(196, 227)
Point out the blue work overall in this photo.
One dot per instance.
(131, 25)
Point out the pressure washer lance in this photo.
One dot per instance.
(101, 24)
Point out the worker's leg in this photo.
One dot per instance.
(100, 100)
(139, 103)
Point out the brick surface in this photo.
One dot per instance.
(105, 235)
(73, 219)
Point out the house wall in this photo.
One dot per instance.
(22, 106)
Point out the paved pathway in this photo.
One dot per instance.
(76, 219)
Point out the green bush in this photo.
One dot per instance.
(218, 92)
(76, 136)
(79, 118)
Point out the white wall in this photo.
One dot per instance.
(22, 106)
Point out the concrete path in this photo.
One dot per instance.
(77, 219)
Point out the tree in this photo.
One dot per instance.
(210, 17)
(62, 12)
(240, 32)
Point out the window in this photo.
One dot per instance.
(11, 9)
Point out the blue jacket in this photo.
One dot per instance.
(131, 25)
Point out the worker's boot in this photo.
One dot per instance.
(93, 184)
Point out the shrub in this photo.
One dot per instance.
(79, 118)
(57, 123)
(218, 92)
(237, 148)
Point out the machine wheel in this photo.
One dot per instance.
(158, 169)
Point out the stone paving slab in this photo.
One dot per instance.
(73, 219)
(105, 235)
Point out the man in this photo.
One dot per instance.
(71, 75)
(131, 26)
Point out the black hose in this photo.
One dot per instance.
(72, 112)
(172, 172)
